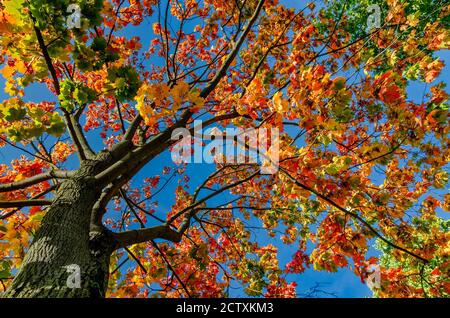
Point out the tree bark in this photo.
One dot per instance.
(66, 242)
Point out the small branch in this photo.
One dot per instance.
(21, 204)
(171, 268)
(143, 235)
(47, 57)
(83, 149)
(136, 205)
(119, 266)
(99, 208)
(136, 259)
(25, 150)
(37, 196)
(131, 207)
(163, 140)
(216, 119)
(222, 72)
(122, 123)
(142, 155)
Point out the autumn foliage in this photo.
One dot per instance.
(364, 147)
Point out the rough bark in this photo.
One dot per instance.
(66, 238)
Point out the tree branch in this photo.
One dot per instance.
(143, 154)
(37, 196)
(171, 268)
(83, 149)
(136, 259)
(129, 134)
(191, 208)
(352, 214)
(223, 70)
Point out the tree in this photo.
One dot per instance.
(361, 163)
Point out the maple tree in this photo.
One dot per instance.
(362, 165)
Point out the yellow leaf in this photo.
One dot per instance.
(279, 105)
(21, 67)
(196, 100)
(19, 177)
(413, 20)
(446, 205)
(7, 71)
(440, 179)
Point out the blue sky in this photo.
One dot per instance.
(344, 283)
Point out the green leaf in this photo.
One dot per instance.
(98, 44)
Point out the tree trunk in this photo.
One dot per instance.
(67, 258)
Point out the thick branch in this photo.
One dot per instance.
(143, 235)
(129, 134)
